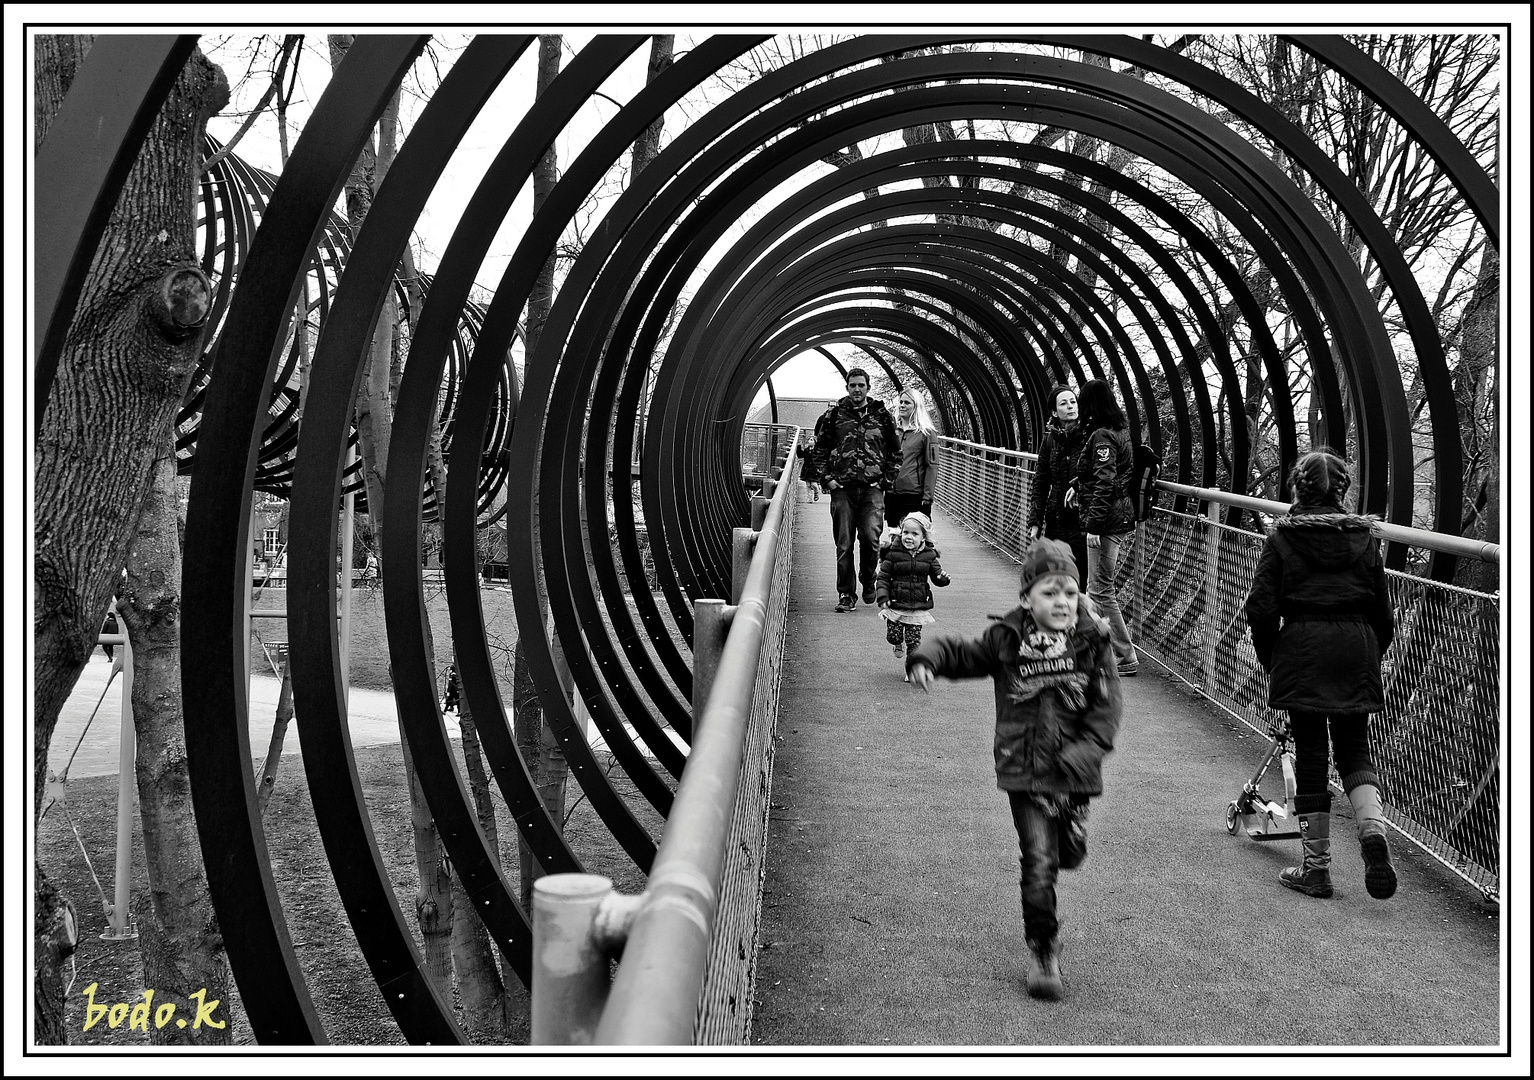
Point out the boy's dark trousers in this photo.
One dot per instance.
(1046, 843)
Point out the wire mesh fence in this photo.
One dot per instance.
(1183, 581)
(729, 988)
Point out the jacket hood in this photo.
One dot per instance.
(1057, 427)
(1326, 536)
(1088, 624)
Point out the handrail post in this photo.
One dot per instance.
(1137, 619)
(578, 923)
(710, 626)
(759, 504)
(1211, 591)
(743, 544)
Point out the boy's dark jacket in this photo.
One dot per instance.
(903, 576)
(1042, 745)
(1320, 613)
(853, 449)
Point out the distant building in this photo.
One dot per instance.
(802, 412)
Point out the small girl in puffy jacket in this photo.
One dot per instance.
(907, 563)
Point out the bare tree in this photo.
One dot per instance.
(127, 359)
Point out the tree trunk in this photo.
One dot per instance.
(648, 144)
(375, 411)
(130, 351)
(480, 987)
(179, 937)
(527, 709)
(266, 783)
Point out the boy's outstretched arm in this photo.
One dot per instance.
(955, 658)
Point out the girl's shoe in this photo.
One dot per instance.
(900, 650)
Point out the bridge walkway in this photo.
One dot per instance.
(891, 913)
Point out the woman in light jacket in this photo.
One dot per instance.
(917, 477)
(1107, 514)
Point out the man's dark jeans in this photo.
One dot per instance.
(1038, 841)
(857, 514)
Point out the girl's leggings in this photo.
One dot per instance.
(1349, 748)
(896, 632)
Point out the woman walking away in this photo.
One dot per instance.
(1107, 515)
(906, 564)
(1052, 509)
(1321, 621)
(917, 478)
(1057, 712)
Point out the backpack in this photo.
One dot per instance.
(1143, 472)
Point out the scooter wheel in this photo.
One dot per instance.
(1230, 818)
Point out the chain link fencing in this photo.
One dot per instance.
(1183, 582)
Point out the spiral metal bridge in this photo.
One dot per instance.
(665, 327)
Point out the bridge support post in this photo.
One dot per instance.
(578, 921)
(744, 544)
(710, 626)
(1211, 593)
(1137, 598)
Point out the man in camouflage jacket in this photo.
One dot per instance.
(855, 457)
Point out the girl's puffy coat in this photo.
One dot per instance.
(903, 576)
(1320, 614)
(1102, 483)
(1041, 745)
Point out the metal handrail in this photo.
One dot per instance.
(1403, 534)
(654, 996)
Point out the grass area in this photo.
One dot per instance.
(370, 645)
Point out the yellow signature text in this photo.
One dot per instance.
(138, 1014)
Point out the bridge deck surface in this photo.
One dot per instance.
(891, 915)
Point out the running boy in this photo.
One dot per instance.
(907, 562)
(1057, 712)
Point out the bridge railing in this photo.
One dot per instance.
(1183, 584)
(688, 971)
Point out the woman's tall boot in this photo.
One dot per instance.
(1379, 874)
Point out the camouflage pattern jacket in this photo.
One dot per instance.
(855, 448)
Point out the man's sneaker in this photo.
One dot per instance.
(868, 596)
(846, 602)
(1128, 671)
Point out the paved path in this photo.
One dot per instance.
(891, 913)
(372, 721)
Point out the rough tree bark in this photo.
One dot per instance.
(179, 936)
(128, 356)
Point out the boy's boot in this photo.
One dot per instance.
(1043, 978)
(1379, 875)
(1313, 876)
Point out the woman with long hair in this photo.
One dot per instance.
(917, 476)
(1052, 510)
(1107, 514)
(1321, 622)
